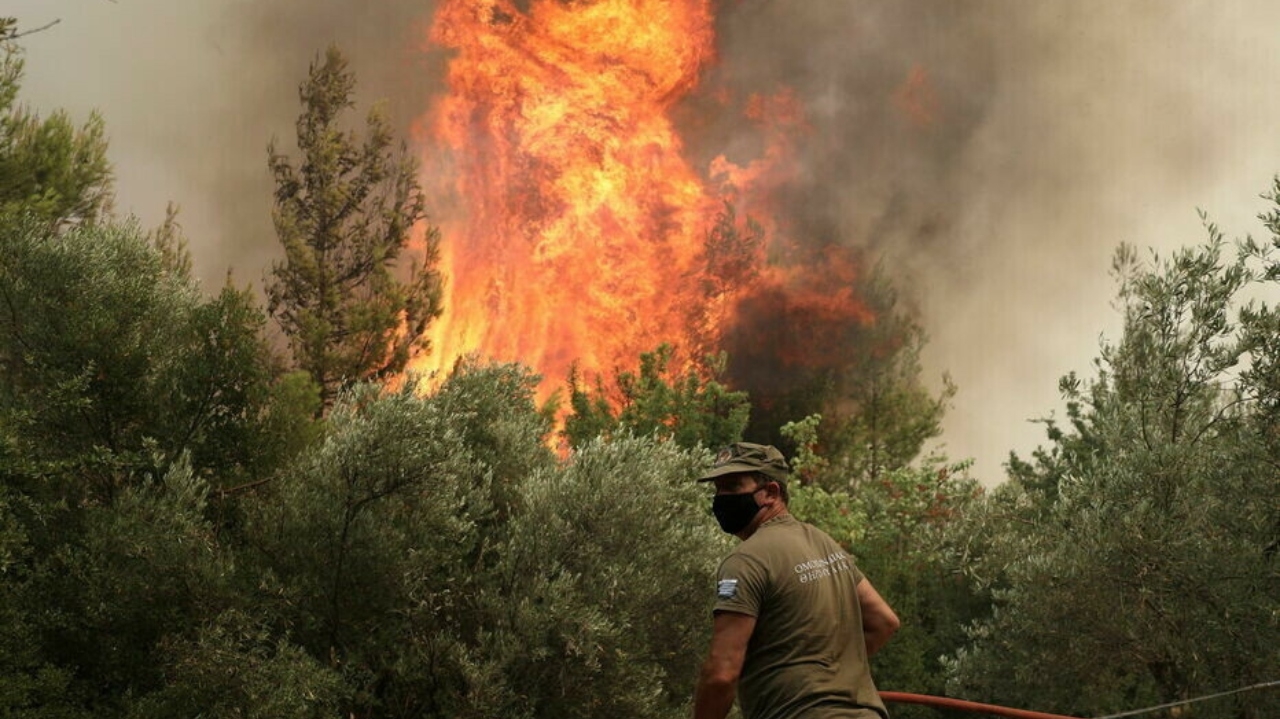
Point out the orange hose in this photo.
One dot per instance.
(962, 705)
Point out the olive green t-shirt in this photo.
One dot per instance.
(807, 656)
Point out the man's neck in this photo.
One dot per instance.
(767, 514)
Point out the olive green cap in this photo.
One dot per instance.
(748, 457)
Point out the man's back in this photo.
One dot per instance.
(807, 655)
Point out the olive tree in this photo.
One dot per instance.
(1129, 559)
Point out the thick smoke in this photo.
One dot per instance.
(992, 153)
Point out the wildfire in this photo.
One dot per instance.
(582, 234)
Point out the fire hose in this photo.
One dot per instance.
(968, 706)
(992, 709)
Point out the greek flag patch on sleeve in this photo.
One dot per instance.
(727, 589)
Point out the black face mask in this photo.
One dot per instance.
(734, 511)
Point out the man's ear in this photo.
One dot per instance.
(774, 490)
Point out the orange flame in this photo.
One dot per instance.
(581, 229)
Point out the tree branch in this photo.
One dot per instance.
(14, 34)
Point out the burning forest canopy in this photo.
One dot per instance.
(587, 233)
(994, 152)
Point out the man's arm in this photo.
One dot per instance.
(718, 681)
(878, 619)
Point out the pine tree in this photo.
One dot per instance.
(345, 214)
(49, 169)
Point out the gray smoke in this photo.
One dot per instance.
(193, 92)
(1054, 131)
(991, 152)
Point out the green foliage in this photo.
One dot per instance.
(48, 167)
(839, 514)
(136, 571)
(603, 591)
(916, 549)
(1130, 559)
(689, 407)
(494, 407)
(234, 669)
(433, 553)
(30, 686)
(393, 560)
(169, 240)
(808, 463)
(112, 362)
(104, 608)
(344, 216)
(590, 414)
(127, 399)
(287, 424)
(361, 512)
(98, 588)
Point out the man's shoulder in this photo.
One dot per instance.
(784, 540)
(787, 529)
(780, 537)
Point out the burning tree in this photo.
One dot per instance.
(344, 215)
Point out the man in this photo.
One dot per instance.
(795, 622)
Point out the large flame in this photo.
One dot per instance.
(581, 232)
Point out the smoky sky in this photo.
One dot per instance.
(990, 153)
